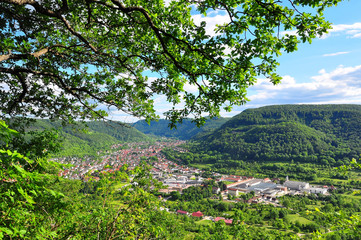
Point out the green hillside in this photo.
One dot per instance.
(80, 140)
(184, 131)
(305, 133)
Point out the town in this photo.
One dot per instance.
(177, 177)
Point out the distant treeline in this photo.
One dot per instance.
(184, 131)
(325, 134)
(89, 138)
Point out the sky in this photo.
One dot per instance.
(328, 71)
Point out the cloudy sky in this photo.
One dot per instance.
(326, 71)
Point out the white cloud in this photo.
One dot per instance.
(346, 27)
(167, 2)
(291, 32)
(122, 116)
(342, 85)
(358, 35)
(4, 87)
(216, 18)
(190, 88)
(349, 30)
(334, 54)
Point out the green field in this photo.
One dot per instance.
(296, 217)
(119, 185)
(353, 196)
(204, 222)
(229, 213)
(201, 166)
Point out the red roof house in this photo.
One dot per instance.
(182, 212)
(197, 214)
(227, 221)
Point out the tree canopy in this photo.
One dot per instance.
(323, 134)
(73, 59)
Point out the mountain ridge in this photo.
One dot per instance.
(305, 133)
(90, 137)
(185, 131)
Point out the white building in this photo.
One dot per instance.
(233, 191)
(317, 190)
(293, 185)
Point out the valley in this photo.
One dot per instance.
(278, 172)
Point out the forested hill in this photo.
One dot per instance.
(306, 133)
(184, 131)
(99, 135)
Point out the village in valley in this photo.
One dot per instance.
(177, 177)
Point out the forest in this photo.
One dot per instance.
(183, 131)
(85, 138)
(322, 134)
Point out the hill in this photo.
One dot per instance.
(305, 133)
(82, 140)
(185, 131)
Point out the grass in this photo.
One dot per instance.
(119, 185)
(313, 206)
(322, 180)
(227, 182)
(350, 195)
(200, 165)
(230, 213)
(117, 203)
(204, 222)
(295, 217)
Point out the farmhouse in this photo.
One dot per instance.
(181, 212)
(233, 191)
(198, 214)
(227, 221)
(317, 190)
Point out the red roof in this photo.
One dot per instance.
(232, 179)
(218, 218)
(197, 214)
(227, 221)
(182, 212)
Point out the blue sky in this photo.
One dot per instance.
(326, 71)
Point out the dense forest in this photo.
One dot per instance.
(183, 131)
(324, 134)
(90, 137)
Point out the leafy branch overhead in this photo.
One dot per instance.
(68, 59)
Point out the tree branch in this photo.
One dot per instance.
(5, 57)
(24, 87)
(26, 55)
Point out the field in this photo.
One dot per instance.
(204, 222)
(296, 217)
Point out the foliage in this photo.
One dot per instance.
(37, 204)
(64, 59)
(184, 131)
(72, 59)
(323, 134)
(79, 139)
(310, 215)
(28, 204)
